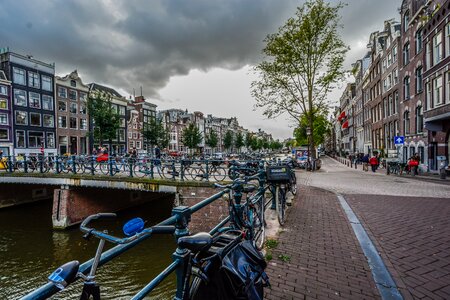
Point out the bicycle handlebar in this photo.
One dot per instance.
(116, 240)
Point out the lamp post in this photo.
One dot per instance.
(308, 134)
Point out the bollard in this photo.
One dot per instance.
(10, 162)
(151, 168)
(92, 165)
(207, 171)
(25, 164)
(74, 170)
(58, 170)
(130, 162)
(442, 173)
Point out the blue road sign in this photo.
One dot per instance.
(399, 140)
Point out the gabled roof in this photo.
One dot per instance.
(102, 88)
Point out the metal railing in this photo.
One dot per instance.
(142, 167)
(180, 218)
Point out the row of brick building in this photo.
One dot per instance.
(401, 89)
(40, 111)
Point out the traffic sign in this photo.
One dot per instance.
(399, 140)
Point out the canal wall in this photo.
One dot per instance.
(18, 194)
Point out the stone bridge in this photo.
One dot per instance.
(77, 196)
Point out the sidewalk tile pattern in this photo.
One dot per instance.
(413, 236)
(326, 261)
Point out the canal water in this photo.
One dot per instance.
(30, 250)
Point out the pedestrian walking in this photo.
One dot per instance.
(373, 161)
(365, 161)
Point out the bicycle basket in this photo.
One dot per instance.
(278, 174)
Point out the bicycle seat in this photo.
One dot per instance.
(196, 242)
(249, 188)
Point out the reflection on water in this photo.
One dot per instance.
(30, 250)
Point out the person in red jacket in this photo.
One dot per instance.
(373, 161)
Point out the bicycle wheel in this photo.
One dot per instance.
(280, 200)
(104, 168)
(200, 174)
(140, 170)
(192, 173)
(219, 173)
(293, 184)
(258, 223)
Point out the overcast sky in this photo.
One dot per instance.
(194, 55)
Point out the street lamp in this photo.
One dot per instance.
(308, 134)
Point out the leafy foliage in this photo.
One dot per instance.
(304, 61)
(191, 136)
(104, 116)
(212, 139)
(155, 134)
(239, 142)
(228, 140)
(321, 128)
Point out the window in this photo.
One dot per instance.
(3, 119)
(406, 54)
(395, 75)
(3, 90)
(428, 56)
(122, 122)
(394, 53)
(82, 109)
(73, 123)
(437, 48)
(418, 41)
(73, 83)
(35, 119)
(72, 95)
(395, 102)
(34, 99)
(62, 106)
(419, 85)
(73, 108)
(122, 110)
(83, 96)
(138, 144)
(406, 92)
(3, 104)
(447, 38)
(122, 135)
(62, 92)
(49, 121)
(62, 122)
(20, 97)
(419, 119)
(20, 139)
(33, 80)
(4, 136)
(50, 140)
(428, 96)
(437, 88)
(389, 59)
(421, 151)
(83, 124)
(21, 117)
(35, 139)
(406, 21)
(406, 122)
(390, 107)
(19, 76)
(47, 83)
(47, 102)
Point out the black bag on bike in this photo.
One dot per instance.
(237, 273)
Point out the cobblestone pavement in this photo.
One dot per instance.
(408, 221)
(318, 256)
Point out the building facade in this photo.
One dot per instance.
(33, 105)
(71, 114)
(6, 131)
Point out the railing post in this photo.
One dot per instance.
(10, 162)
(58, 162)
(41, 164)
(182, 162)
(130, 164)
(173, 169)
(92, 162)
(207, 171)
(74, 171)
(152, 165)
(25, 163)
(183, 215)
(110, 165)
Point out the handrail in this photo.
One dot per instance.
(49, 289)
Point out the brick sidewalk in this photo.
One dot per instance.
(412, 235)
(326, 261)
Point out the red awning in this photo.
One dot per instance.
(341, 116)
(345, 125)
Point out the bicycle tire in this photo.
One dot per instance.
(293, 184)
(258, 223)
(192, 173)
(104, 168)
(280, 201)
(219, 174)
(200, 174)
(140, 170)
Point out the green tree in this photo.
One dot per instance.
(154, 134)
(191, 136)
(105, 118)
(304, 63)
(228, 140)
(248, 140)
(321, 125)
(239, 142)
(276, 145)
(212, 139)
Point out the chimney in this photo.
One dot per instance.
(139, 99)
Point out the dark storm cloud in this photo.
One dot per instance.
(132, 43)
